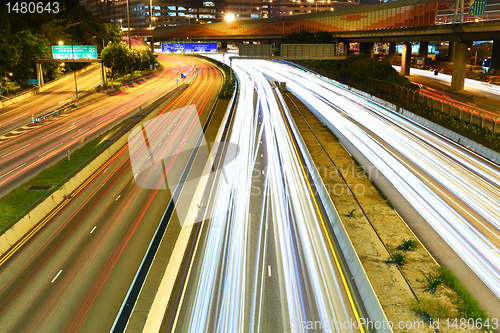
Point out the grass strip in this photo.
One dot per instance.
(18, 202)
(467, 305)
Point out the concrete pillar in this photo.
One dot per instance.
(39, 74)
(451, 51)
(392, 49)
(365, 48)
(460, 58)
(423, 50)
(495, 56)
(406, 58)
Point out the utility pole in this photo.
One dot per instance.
(129, 41)
(74, 70)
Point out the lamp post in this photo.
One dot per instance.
(121, 26)
(74, 69)
(102, 41)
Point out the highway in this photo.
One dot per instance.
(74, 274)
(455, 190)
(24, 152)
(477, 87)
(265, 260)
(19, 114)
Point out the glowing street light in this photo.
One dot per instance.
(230, 17)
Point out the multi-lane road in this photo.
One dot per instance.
(454, 189)
(18, 114)
(25, 151)
(265, 260)
(75, 273)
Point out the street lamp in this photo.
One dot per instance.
(7, 82)
(121, 26)
(74, 69)
(230, 17)
(102, 41)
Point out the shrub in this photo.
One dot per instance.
(350, 214)
(432, 282)
(399, 258)
(408, 245)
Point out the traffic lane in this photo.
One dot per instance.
(490, 232)
(42, 315)
(222, 296)
(20, 113)
(439, 215)
(25, 154)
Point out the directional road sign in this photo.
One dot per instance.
(78, 51)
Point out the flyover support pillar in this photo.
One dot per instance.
(406, 58)
(367, 48)
(451, 51)
(460, 58)
(495, 56)
(423, 50)
(39, 74)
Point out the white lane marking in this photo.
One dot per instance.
(91, 231)
(55, 277)
(18, 149)
(5, 174)
(266, 225)
(118, 197)
(269, 270)
(50, 149)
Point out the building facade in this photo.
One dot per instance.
(168, 13)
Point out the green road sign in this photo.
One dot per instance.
(477, 7)
(32, 81)
(79, 51)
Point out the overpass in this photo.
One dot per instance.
(392, 22)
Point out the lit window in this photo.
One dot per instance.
(172, 14)
(254, 15)
(171, 7)
(181, 14)
(208, 4)
(181, 8)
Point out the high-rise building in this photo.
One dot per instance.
(146, 13)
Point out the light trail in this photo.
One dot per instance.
(228, 292)
(456, 191)
(469, 84)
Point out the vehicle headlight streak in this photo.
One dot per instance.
(303, 254)
(471, 180)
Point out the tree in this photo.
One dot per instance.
(116, 57)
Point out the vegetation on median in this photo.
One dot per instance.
(20, 201)
(229, 85)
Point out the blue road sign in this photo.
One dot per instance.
(188, 47)
(1, 91)
(32, 81)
